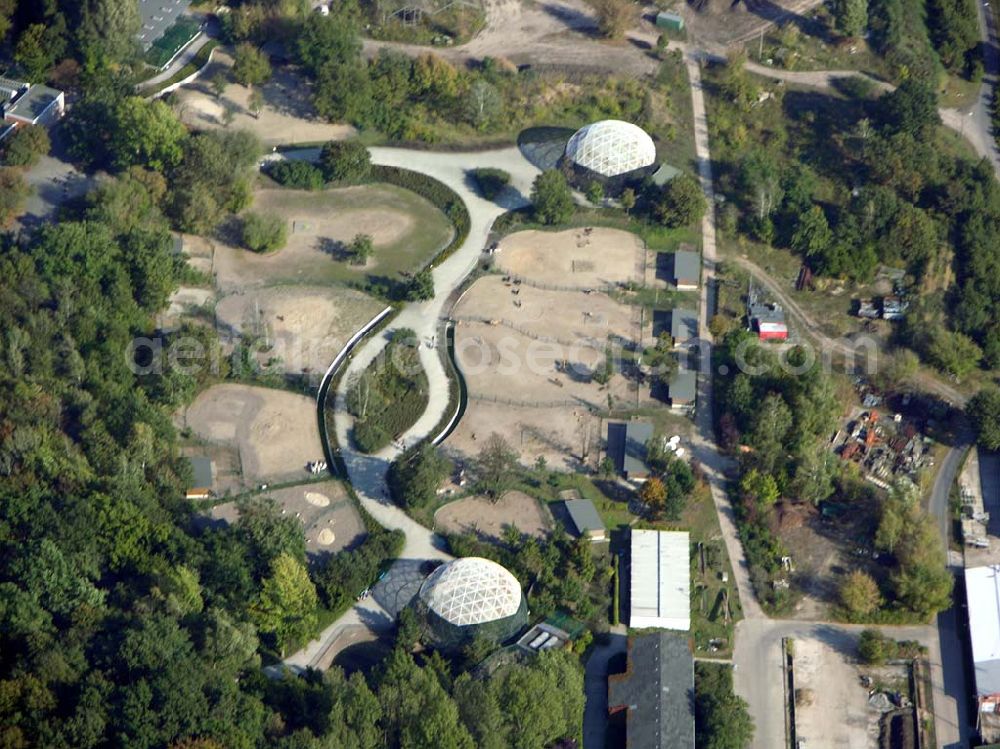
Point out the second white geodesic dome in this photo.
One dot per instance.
(471, 590)
(611, 148)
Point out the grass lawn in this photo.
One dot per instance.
(407, 230)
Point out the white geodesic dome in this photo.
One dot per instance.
(471, 590)
(611, 147)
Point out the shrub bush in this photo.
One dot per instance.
(491, 182)
(26, 146)
(264, 232)
(297, 174)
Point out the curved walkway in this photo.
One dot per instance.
(367, 472)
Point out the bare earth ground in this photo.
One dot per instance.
(500, 362)
(329, 519)
(572, 259)
(556, 434)
(322, 223)
(839, 715)
(571, 317)
(182, 302)
(307, 326)
(274, 431)
(287, 116)
(490, 518)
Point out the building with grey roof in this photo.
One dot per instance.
(655, 695)
(626, 446)
(201, 485)
(585, 519)
(683, 325)
(683, 388)
(36, 105)
(687, 270)
(156, 16)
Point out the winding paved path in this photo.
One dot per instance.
(367, 472)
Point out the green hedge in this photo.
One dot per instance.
(173, 39)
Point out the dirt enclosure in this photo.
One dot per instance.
(275, 432)
(306, 326)
(480, 515)
(575, 258)
(329, 520)
(287, 116)
(406, 229)
(560, 435)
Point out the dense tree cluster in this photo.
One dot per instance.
(414, 477)
(722, 720)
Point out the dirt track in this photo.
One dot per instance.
(490, 518)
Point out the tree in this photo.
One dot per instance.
(496, 466)
(267, 534)
(552, 197)
(954, 353)
(875, 648)
(255, 103)
(983, 410)
(614, 17)
(219, 83)
(421, 286)
(251, 66)
(34, 53)
(13, 192)
(911, 108)
(361, 248)
(146, 133)
(343, 93)
(595, 192)
(111, 27)
(653, 496)
(722, 719)
(924, 588)
(328, 42)
(850, 17)
(759, 490)
(286, 607)
(345, 161)
(491, 182)
(627, 200)
(812, 234)
(483, 104)
(26, 146)
(860, 595)
(681, 202)
(414, 476)
(264, 232)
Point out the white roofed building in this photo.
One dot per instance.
(611, 148)
(982, 590)
(660, 580)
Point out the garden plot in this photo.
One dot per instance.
(407, 232)
(330, 521)
(487, 518)
(306, 327)
(573, 318)
(286, 117)
(275, 432)
(575, 258)
(560, 435)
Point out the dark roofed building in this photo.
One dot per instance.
(626, 446)
(683, 388)
(156, 16)
(656, 693)
(683, 325)
(585, 519)
(687, 270)
(201, 486)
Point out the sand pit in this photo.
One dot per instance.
(574, 259)
(306, 326)
(407, 231)
(287, 116)
(274, 431)
(560, 435)
(489, 518)
(326, 537)
(317, 500)
(570, 317)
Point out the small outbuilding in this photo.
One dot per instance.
(687, 270)
(683, 389)
(670, 21)
(202, 482)
(683, 325)
(768, 322)
(626, 446)
(586, 521)
(655, 695)
(660, 580)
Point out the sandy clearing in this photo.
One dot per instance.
(560, 435)
(287, 117)
(571, 317)
(307, 326)
(574, 258)
(490, 518)
(275, 431)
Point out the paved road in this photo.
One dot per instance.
(367, 472)
(595, 686)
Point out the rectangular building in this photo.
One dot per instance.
(687, 270)
(683, 325)
(660, 580)
(982, 590)
(768, 321)
(627, 448)
(656, 693)
(683, 389)
(586, 521)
